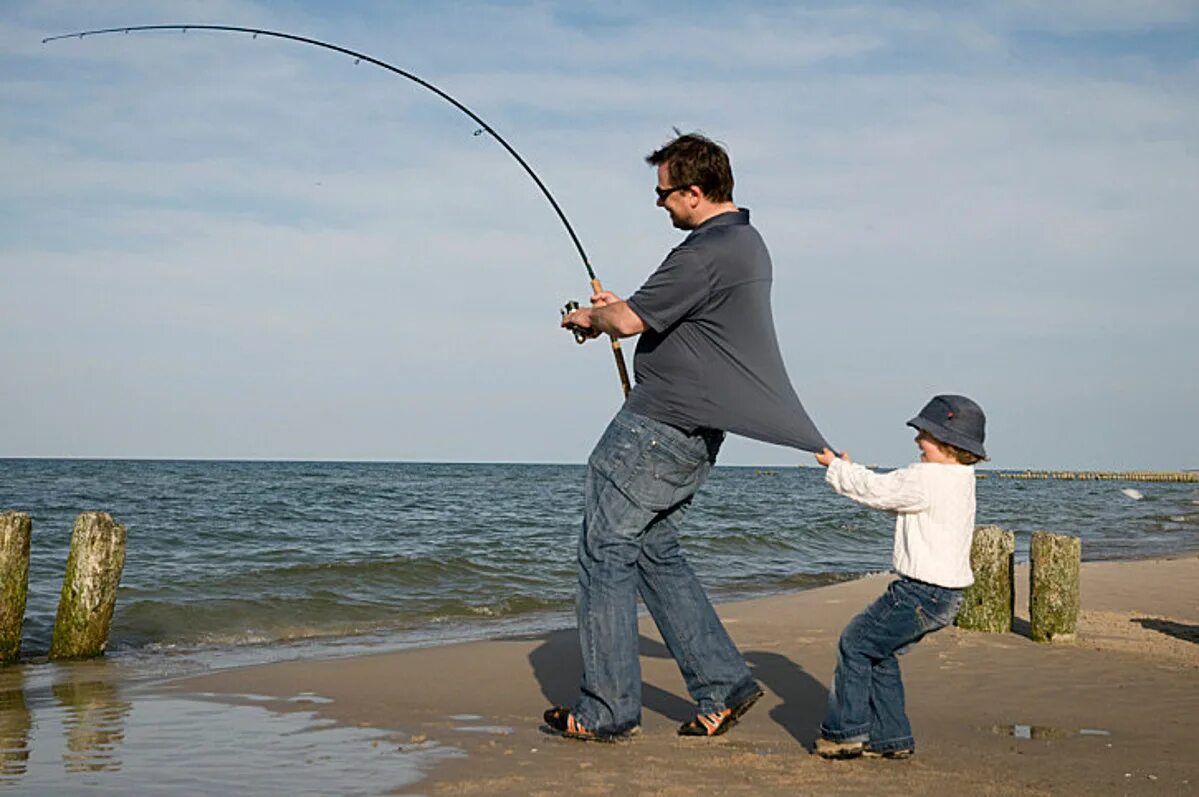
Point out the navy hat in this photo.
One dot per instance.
(955, 420)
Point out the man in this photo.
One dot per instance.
(707, 362)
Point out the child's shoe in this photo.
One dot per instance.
(827, 748)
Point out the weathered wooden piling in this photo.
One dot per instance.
(988, 604)
(15, 528)
(1053, 595)
(89, 587)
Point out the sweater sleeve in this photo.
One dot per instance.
(898, 491)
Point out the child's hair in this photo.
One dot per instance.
(962, 456)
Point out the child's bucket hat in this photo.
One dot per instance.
(955, 420)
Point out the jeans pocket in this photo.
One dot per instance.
(618, 450)
(925, 621)
(665, 474)
(938, 613)
(951, 607)
(653, 465)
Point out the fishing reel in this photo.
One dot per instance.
(567, 309)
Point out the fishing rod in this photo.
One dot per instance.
(596, 286)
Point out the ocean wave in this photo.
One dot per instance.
(238, 554)
(233, 622)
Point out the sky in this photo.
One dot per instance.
(214, 246)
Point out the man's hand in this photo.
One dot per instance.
(826, 457)
(610, 315)
(580, 320)
(604, 298)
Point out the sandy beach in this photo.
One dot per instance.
(1115, 711)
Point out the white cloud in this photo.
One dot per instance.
(264, 250)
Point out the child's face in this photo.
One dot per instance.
(930, 451)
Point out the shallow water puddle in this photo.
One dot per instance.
(309, 697)
(495, 730)
(92, 738)
(1045, 731)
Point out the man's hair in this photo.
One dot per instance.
(693, 159)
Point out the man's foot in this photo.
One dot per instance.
(827, 748)
(719, 722)
(901, 753)
(559, 721)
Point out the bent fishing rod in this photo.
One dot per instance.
(596, 286)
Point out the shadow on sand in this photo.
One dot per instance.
(1183, 631)
(1022, 627)
(558, 669)
(803, 697)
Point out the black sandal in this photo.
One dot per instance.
(560, 722)
(719, 722)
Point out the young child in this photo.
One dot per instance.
(934, 524)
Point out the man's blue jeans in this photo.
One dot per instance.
(640, 480)
(866, 701)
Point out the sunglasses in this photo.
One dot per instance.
(665, 192)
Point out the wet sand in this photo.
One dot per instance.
(1116, 711)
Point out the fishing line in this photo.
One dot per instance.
(358, 57)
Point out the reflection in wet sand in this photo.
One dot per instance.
(15, 722)
(94, 719)
(1045, 731)
(72, 729)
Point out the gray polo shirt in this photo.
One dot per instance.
(710, 357)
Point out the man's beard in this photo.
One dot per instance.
(680, 223)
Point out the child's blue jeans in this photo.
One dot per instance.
(865, 703)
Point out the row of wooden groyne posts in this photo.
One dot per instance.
(97, 557)
(1102, 475)
(89, 585)
(1055, 564)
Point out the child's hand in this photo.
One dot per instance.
(825, 457)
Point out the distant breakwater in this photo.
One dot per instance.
(1092, 475)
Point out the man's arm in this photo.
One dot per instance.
(617, 319)
(609, 316)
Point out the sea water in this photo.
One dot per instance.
(223, 557)
(232, 563)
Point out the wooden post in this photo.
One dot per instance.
(89, 587)
(15, 530)
(988, 604)
(1054, 563)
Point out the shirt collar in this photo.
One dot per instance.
(738, 216)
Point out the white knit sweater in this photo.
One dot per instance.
(934, 522)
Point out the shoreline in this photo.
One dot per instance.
(329, 647)
(1114, 711)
